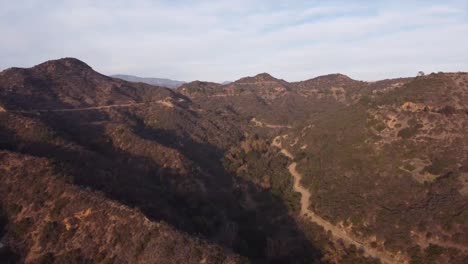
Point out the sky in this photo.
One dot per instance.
(224, 40)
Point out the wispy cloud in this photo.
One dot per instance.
(224, 40)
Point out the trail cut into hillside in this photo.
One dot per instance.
(258, 123)
(337, 232)
(102, 107)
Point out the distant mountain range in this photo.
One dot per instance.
(168, 83)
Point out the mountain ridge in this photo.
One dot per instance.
(202, 160)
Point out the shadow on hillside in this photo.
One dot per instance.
(265, 234)
(6, 255)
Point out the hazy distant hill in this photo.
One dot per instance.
(153, 81)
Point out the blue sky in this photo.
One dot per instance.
(225, 40)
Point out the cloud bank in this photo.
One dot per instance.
(224, 40)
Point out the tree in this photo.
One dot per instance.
(421, 73)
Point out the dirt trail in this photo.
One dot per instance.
(262, 124)
(337, 232)
(74, 109)
(102, 107)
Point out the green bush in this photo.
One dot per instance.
(58, 207)
(72, 257)
(22, 227)
(47, 258)
(16, 209)
(366, 100)
(142, 245)
(300, 156)
(447, 110)
(3, 222)
(409, 167)
(433, 252)
(253, 156)
(438, 165)
(51, 233)
(407, 132)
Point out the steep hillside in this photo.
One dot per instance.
(161, 153)
(360, 143)
(69, 83)
(262, 100)
(268, 102)
(391, 169)
(52, 221)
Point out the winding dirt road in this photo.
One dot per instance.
(337, 232)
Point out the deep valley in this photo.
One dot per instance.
(95, 169)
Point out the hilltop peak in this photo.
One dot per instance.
(261, 77)
(335, 76)
(264, 76)
(63, 64)
(51, 66)
(201, 83)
